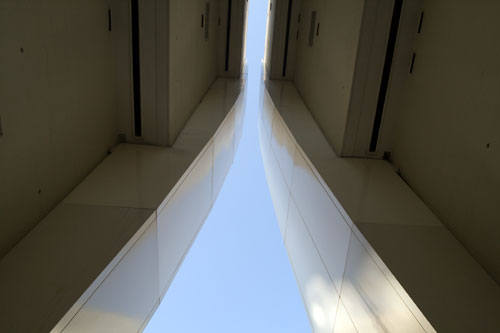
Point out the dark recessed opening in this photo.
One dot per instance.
(386, 74)
(412, 62)
(420, 22)
(136, 73)
(288, 21)
(228, 33)
(311, 28)
(109, 19)
(207, 20)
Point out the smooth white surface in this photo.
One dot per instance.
(133, 176)
(372, 192)
(223, 152)
(85, 238)
(317, 288)
(374, 305)
(376, 301)
(150, 316)
(343, 323)
(238, 122)
(324, 221)
(367, 189)
(284, 96)
(267, 115)
(102, 276)
(178, 223)
(47, 272)
(142, 176)
(125, 298)
(280, 194)
(283, 147)
(221, 98)
(180, 219)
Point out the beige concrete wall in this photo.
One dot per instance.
(276, 39)
(66, 89)
(324, 72)
(274, 65)
(193, 59)
(447, 142)
(58, 105)
(237, 38)
(121, 44)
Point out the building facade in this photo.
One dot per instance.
(377, 130)
(119, 117)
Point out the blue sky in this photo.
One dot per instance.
(237, 277)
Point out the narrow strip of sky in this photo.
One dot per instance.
(237, 277)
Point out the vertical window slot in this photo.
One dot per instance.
(311, 28)
(412, 63)
(207, 20)
(228, 33)
(109, 19)
(288, 21)
(136, 71)
(420, 22)
(386, 74)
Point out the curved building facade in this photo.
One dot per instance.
(123, 120)
(377, 158)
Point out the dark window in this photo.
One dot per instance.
(311, 29)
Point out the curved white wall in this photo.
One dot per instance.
(355, 230)
(104, 258)
(345, 287)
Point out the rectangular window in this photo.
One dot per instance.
(136, 71)
(228, 33)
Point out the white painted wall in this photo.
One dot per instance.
(447, 142)
(59, 105)
(324, 72)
